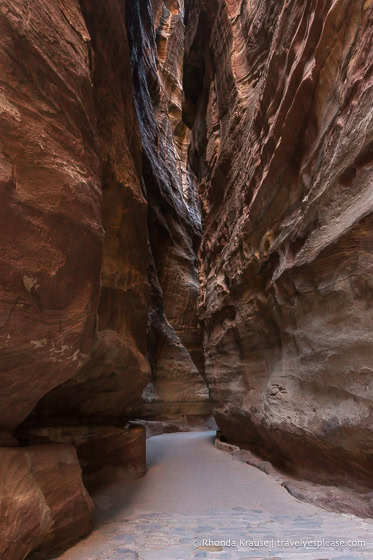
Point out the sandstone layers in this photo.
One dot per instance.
(100, 227)
(279, 95)
(121, 122)
(43, 500)
(177, 387)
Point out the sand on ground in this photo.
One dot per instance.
(198, 502)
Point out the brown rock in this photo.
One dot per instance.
(178, 388)
(105, 453)
(80, 123)
(51, 241)
(109, 385)
(281, 107)
(106, 389)
(278, 99)
(83, 314)
(156, 36)
(43, 504)
(8, 440)
(341, 500)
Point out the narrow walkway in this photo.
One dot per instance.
(193, 493)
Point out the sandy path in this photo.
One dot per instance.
(193, 493)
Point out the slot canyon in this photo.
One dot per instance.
(186, 267)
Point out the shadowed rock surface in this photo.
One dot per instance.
(186, 212)
(282, 143)
(156, 35)
(105, 453)
(100, 229)
(44, 504)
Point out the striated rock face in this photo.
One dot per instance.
(100, 226)
(147, 314)
(105, 453)
(111, 382)
(186, 195)
(279, 95)
(51, 238)
(44, 505)
(177, 387)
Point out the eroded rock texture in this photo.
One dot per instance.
(112, 114)
(51, 238)
(105, 453)
(147, 315)
(111, 381)
(177, 387)
(44, 504)
(100, 226)
(280, 99)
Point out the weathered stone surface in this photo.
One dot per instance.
(43, 503)
(51, 226)
(95, 101)
(143, 282)
(101, 224)
(8, 440)
(108, 387)
(156, 35)
(282, 143)
(105, 453)
(105, 390)
(343, 499)
(75, 304)
(180, 423)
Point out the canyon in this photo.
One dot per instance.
(186, 237)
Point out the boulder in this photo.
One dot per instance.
(44, 505)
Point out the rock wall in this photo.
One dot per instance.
(279, 98)
(177, 387)
(43, 501)
(100, 222)
(106, 389)
(113, 115)
(52, 234)
(148, 328)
